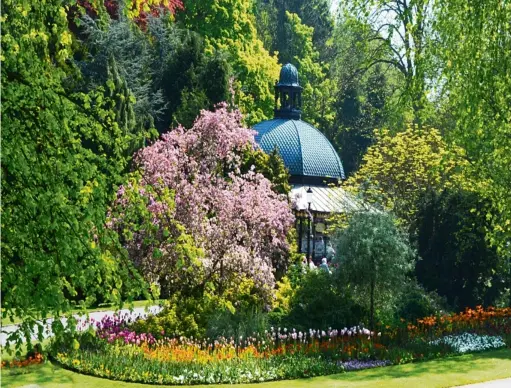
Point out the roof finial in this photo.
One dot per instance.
(288, 94)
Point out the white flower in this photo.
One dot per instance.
(468, 342)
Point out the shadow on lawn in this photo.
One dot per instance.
(456, 364)
(35, 374)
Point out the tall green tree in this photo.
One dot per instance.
(404, 28)
(230, 26)
(374, 257)
(364, 99)
(62, 154)
(475, 37)
(456, 258)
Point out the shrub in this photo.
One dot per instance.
(241, 323)
(415, 303)
(318, 302)
(375, 258)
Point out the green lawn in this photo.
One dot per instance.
(467, 369)
(137, 303)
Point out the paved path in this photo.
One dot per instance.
(504, 383)
(82, 321)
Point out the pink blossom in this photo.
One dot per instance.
(236, 220)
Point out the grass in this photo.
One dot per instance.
(466, 369)
(137, 303)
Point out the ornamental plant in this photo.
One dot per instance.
(469, 342)
(191, 220)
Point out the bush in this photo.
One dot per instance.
(283, 295)
(415, 303)
(182, 316)
(241, 323)
(318, 302)
(196, 315)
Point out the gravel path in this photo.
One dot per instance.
(504, 383)
(82, 321)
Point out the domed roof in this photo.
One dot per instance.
(306, 152)
(288, 76)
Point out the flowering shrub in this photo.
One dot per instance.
(468, 342)
(206, 225)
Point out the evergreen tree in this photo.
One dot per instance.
(456, 260)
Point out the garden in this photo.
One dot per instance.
(132, 174)
(129, 351)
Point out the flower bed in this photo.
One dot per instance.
(37, 358)
(118, 352)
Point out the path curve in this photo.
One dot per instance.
(82, 323)
(502, 383)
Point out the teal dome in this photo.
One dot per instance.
(306, 152)
(288, 76)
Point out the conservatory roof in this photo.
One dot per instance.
(326, 199)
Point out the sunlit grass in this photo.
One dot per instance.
(466, 369)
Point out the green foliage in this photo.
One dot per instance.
(374, 257)
(240, 324)
(272, 16)
(191, 79)
(415, 303)
(236, 310)
(319, 302)
(230, 27)
(165, 67)
(282, 303)
(62, 155)
(317, 89)
(456, 259)
(398, 169)
(183, 316)
(271, 166)
(401, 36)
(476, 80)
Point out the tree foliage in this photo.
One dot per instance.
(374, 257)
(317, 89)
(238, 222)
(397, 170)
(230, 26)
(165, 68)
(404, 29)
(63, 153)
(475, 37)
(456, 259)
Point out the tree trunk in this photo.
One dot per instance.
(371, 313)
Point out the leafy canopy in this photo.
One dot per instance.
(398, 169)
(63, 153)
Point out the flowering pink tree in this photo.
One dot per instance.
(191, 218)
